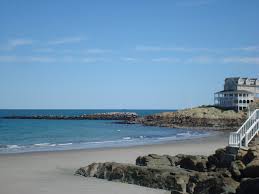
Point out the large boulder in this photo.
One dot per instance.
(174, 179)
(249, 186)
(251, 154)
(154, 160)
(211, 183)
(221, 159)
(252, 169)
(197, 163)
(236, 169)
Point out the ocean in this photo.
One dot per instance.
(17, 136)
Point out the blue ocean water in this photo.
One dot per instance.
(49, 135)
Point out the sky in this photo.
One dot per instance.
(137, 54)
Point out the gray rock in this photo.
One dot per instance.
(197, 163)
(241, 154)
(221, 159)
(252, 169)
(249, 186)
(174, 179)
(236, 169)
(152, 160)
(251, 154)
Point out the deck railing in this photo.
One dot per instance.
(246, 132)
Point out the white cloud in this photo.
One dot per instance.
(238, 59)
(40, 59)
(201, 60)
(92, 60)
(194, 59)
(44, 50)
(7, 59)
(26, 59)
(248, 48)
(166, 60)
(14, 43)
(128, 59)
(176, 49)
(66, 40)
(98, 51)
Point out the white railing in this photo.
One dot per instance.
(251, 132)
(246, 132)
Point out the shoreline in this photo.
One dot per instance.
(53, 172)
(141, 144)
(222, 136)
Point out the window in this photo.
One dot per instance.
(240, 95)
(240, 108)
(247, 101)
(244, 101)
(235, 95)
(240, 101)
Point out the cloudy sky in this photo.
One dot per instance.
(124, 54)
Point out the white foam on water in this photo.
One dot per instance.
(13, 147)
(126, 138)
(65, 144)
(42, 144)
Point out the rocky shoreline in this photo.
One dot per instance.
(227, 171)
(193, 118)
(209, 118)
(127, 116)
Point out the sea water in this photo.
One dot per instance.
(18, 135)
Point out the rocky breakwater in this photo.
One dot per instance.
(228, 171)
(126, 116)
(200, 117)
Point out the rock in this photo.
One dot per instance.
(252, 169)
(199, 117)
(249, 186)
(232, 150)
(126, 116)
(219, 173)
(212, 184)
(156, 160)
(241, 154)
(197, 163)
(236, 169)
(251, 154)
(174, 179)
(221, 159)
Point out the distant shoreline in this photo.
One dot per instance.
(115, 129)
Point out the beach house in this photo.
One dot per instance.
(238, 93)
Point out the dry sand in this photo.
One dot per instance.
(52, 172)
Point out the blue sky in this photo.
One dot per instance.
(124, 54)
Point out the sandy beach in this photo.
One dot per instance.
(53, 172)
